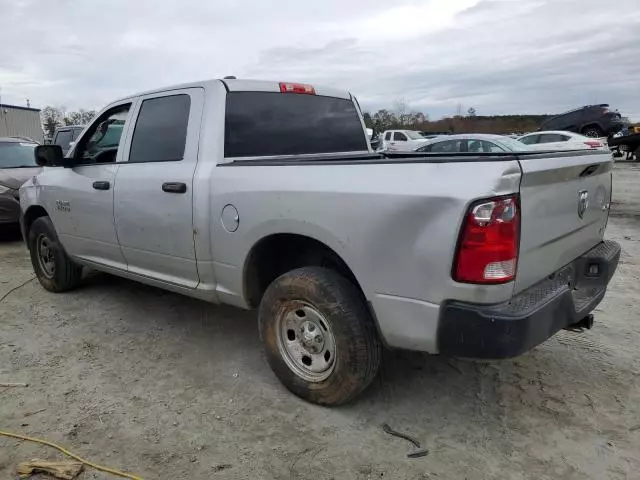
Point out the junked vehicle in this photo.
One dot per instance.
(267, 196)
(17, 165)
(591, 120)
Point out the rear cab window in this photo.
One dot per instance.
(259, 124)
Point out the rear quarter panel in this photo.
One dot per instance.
(394, 224)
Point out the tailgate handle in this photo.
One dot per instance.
(590, 170)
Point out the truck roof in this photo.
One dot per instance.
(242, 85)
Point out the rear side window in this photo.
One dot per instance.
(552, 138)
(264, 123)
(161, 130)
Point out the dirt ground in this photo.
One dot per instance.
(170, 388)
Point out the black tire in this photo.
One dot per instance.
(65, 275)
(593, 131)
(341, 305)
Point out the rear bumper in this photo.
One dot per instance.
(511, 328)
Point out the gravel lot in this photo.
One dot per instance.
(169, 387)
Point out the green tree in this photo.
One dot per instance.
(51, 118)
(81, 117)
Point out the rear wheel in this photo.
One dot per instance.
(594, 131)
(319, 337)
(54, 269)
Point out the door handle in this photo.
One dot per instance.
(174, 187)
(101, 185)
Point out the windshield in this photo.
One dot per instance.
(414, 135)
(513, 145)
(17, 154)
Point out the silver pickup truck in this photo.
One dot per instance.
(267, 195)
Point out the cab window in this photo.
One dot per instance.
(399, 137)
(101, 142)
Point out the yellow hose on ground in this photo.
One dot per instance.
(72, 455)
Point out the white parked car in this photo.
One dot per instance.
(559, 140)
(401, 141)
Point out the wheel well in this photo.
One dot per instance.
(280, 253)
(30, 216)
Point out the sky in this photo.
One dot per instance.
(436, 56)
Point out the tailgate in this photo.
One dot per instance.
(565, 200)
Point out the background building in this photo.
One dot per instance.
(20, 122)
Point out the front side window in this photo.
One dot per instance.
(387, 136)
(160, 133)
(448, 146)
(399, 137)
(103, 139)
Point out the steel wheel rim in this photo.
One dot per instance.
(306, 342)
(46, 256)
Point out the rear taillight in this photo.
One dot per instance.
(489, 240)
(593, 144)
(297, 88)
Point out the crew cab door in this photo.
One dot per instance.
(153, 195)
(80, 198)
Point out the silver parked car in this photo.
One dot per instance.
(472, 143)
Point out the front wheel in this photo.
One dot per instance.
(54, 269)
(319, 337)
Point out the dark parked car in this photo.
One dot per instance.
(17, 165)
(64, 136)
(591, 120)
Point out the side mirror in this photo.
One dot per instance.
(49, 156)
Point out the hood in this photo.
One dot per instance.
(15, 177)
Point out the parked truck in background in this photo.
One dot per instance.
(401, 140)
(267, 196)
